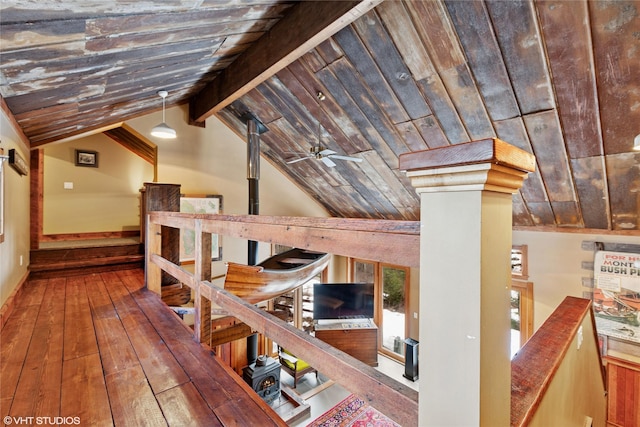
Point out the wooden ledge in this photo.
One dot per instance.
(492, 150)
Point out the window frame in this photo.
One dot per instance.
(378, 300)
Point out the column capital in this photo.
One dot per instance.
(488, 164)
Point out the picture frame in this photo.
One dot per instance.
(615, 297)
(87, 158)
(199, 203)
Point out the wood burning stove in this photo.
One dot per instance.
(264, 377)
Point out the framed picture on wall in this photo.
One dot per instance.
(616, 294)
(87, 158)
(204, 204)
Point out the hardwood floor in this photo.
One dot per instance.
(101, 350)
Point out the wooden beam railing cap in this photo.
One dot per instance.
(488, 164)
(491, 150)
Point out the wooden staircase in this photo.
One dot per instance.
(85, 258)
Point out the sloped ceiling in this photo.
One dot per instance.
(559, 79)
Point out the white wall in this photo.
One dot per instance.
(555, 266)
(16, 215)
(103, 199)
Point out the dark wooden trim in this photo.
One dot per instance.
(14, 123)
(36, 183)
(230, 333)
(306, 25)
(135, 142)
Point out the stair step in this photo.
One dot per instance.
(87, 262)
(58, 254)
(83, 260)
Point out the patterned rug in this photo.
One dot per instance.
(352, 412)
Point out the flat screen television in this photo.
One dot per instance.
(342, 300)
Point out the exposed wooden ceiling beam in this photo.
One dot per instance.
(307, 24)
(133, 141)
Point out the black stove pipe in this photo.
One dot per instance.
(253, 178)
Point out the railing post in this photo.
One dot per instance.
(202, 325)
(465, 245)
(153, 245)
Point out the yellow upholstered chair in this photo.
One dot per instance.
(295, 367)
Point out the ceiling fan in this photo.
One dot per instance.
(324, 154)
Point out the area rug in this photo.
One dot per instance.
(352, 412)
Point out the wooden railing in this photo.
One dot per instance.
(395, 242)
(557, 377)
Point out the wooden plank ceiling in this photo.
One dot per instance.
(559, 79)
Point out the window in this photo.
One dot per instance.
(391, 284)
(521, 299)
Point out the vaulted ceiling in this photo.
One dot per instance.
(560, 79)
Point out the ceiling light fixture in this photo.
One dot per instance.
(163, 130)
(636, 142)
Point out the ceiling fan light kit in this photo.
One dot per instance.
(163, 130)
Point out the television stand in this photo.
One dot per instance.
(356, 337)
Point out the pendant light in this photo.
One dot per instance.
(163, 130)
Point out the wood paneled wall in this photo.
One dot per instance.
(623, 385)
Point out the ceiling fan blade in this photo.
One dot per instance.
(351, 159)
(297, 160)
(326, 152)
(328, 162)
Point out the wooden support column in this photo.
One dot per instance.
(36, 184)
(465, 243)
(153, 246)
(202, 326)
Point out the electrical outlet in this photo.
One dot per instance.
(21, 261)
(68, 185)
(580, 337)
(415, 315)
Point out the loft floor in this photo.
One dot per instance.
(102, 348)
